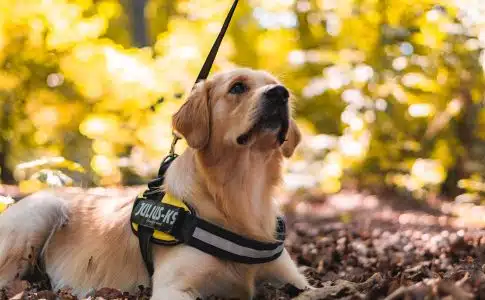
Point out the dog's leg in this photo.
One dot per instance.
(170, 293)
(183, 272)
(282, 271)
(25, 229)
(176, 273)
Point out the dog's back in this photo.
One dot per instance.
(97, 247)
(25, 229)
(69, 229)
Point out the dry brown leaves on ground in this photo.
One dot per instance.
(368, 254)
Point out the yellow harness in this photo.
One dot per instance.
(159, 236)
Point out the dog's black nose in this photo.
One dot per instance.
(278, 94)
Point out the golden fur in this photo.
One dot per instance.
(86, 240)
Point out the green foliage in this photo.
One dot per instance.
(388, 92)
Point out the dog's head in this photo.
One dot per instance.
(242, 108)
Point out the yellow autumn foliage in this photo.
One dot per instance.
(387, 92)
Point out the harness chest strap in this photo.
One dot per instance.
(171, 222)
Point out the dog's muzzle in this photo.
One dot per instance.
(273, 114)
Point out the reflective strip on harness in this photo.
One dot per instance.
(232, 247)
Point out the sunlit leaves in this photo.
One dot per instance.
(442, 152)
(64, 35)
(419, 81)
(473, 184)
(5, 202)
(49, 162)
(124, 79)
(45, 172)
(53, 178)
(103, 165)
(8, 81)
(109, 9)
(271, 60)
(420, 110)
(428, 171)
(95, 126)
(332, 172)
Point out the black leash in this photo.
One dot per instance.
(154, 191)
(206, 68)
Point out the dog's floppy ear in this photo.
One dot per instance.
(192, 120)
(293, 138)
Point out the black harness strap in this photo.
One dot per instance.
(144, 239)
(225, 244)
(154, 194)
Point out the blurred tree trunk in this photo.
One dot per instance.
(139, 23)
(6, 174)
(464, 131)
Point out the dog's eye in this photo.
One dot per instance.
(238, 88)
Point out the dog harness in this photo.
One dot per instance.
(162, 219)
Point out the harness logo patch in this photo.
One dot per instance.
(157, 214)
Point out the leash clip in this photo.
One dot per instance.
(166, 162)
(175, 139)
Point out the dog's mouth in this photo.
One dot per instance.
(275, 120)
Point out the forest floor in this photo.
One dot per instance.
(355, 246)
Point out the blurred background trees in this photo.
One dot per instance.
(389, 93)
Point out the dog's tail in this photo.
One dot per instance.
(25, 229)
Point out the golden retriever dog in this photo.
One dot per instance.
(238, 127)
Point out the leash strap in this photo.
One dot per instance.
(204, 72)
